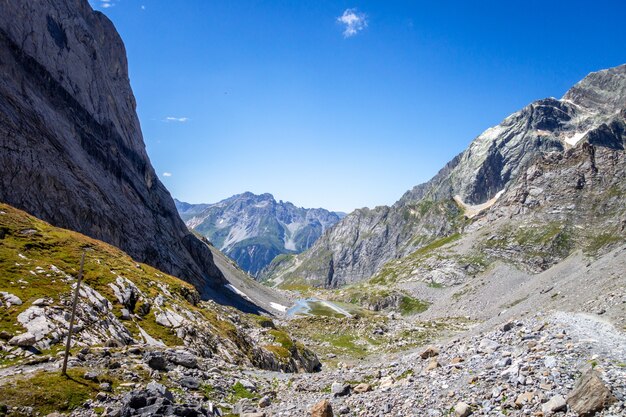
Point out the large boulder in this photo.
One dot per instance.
(590, 395)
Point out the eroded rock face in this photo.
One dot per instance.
(71, 148)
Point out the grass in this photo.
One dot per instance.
(238, 392)
(409, 305)
(48, 391)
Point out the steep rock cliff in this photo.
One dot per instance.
(71, 148)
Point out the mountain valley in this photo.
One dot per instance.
(497, 288)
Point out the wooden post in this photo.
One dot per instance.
(74, 303)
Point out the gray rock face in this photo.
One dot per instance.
(254, 229)
(591, 116)
(71, 149)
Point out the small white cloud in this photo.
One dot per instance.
(176, 119)
(143, 7)
(354, 22)
(167, 174)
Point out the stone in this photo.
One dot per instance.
(507, 326)
(186, 359)
(462, 409)
(524, 398)
(362, 387)
(106, 387)
(322, 409)
(488, 346)
(265, 401)
(429, 352)
(159, 390)
(554, 404)
(386, 382)
(432, 365)
(4, 335)
(189, 382)
(155, 360)
(125, 314)
(92, 376)
(590, 395)
(23, 340)
(255, 414)
(339, 389)
(11, 299)
(42, 302)
(549, 361)
(456, 360)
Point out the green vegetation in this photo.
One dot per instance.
(598, 242)
(238, 392)
(48, 391)
(409, 305)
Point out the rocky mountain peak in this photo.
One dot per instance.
(601, 91)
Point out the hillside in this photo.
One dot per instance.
(255, 229)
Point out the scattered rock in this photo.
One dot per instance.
(156, 360)
(556, 403)
(339, 390)
(23, 340)
(362, 387)
(524, 398)
(189, 382)
(322, 409)
(462, 409)
(430, 352)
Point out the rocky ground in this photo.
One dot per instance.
(549, 364)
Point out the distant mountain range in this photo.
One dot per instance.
(254, 229)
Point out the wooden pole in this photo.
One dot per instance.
(74, 303)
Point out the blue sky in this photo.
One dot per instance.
(343, 104)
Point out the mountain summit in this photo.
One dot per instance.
(254, 229)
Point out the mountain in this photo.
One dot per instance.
(554, 170)
(255, 229)
(72, 149)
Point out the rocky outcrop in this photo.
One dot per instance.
(254, 229)
(71, 149)
(590, 116)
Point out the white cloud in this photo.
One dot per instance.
(176, 119)
(167, 174)
(143, 7)
(354, 22)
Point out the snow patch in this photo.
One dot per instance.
(473, 210)
(575, 138)
(278, 307)
(237, 291)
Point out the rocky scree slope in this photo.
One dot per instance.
(122, 303)
(71, 149)
(586, 127)
(254, 229)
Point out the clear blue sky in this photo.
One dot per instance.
(283, 97)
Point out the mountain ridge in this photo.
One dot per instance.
(254, 229)
(359, 245)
